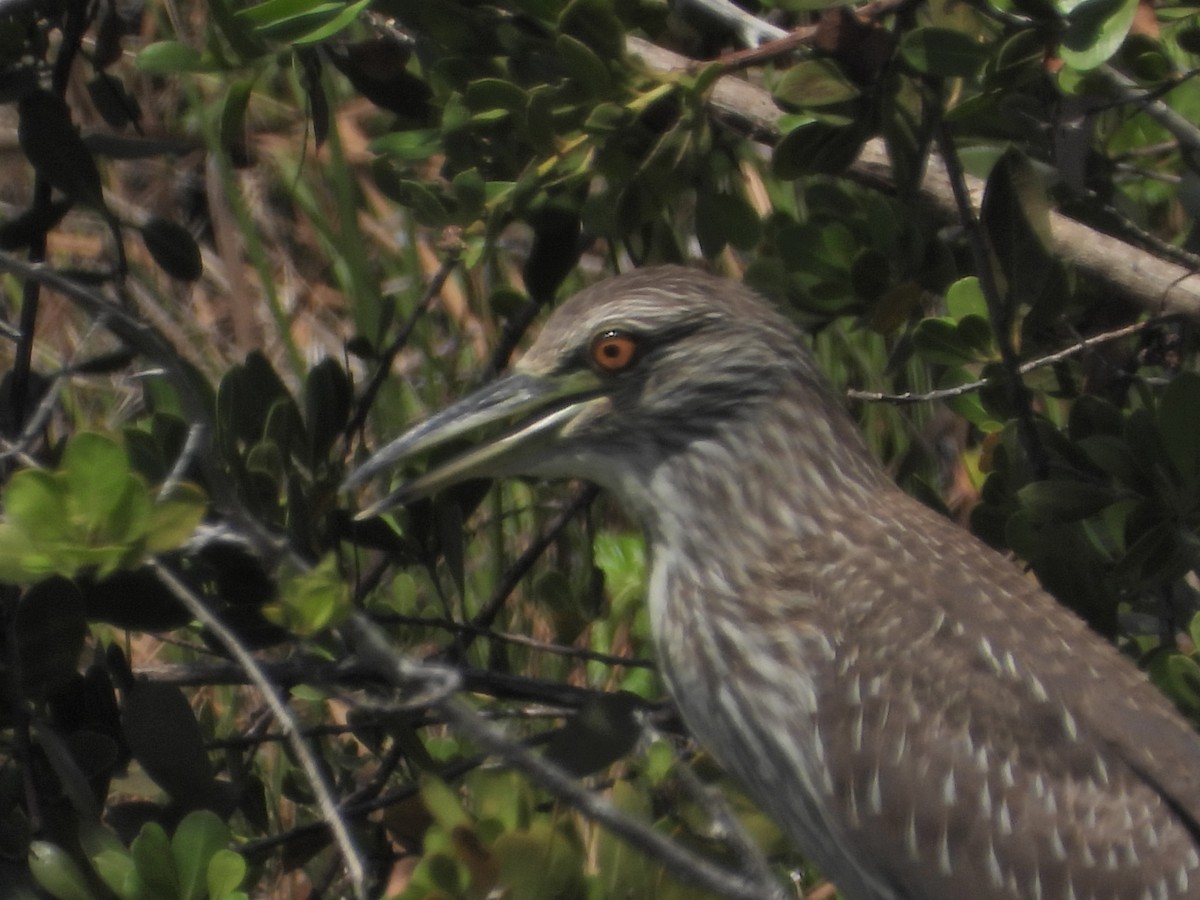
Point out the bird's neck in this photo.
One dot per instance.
(786, 470)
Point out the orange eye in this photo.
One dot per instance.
(613, 351)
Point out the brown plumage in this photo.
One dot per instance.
(917, 715)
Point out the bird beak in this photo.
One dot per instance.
(509, 421)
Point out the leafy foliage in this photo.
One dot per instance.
(346, 209)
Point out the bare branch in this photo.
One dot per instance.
(1156, 285)
(304, 755)
(374, 650)
(1024, 369)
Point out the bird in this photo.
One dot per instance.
(921, 719)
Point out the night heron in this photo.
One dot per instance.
(917, 715)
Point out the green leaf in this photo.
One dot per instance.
(56, 872)
(118, 870)
(424, 204)
(722, 219)
(36, 503)
(197, 839)
(298, 22)
(968, 405)
(413, 145)
(1095, 31)
(813, 83)
(97, 475)
(312, 601)
(443, 803)
(588, 71)
(332, 26)
(965, 298)
(226, 871)
(1112, 455)
(943, 52)
(151, 851)
(172, 58)
(20, 561)
(623, 870)
(495, 93)
(539, 863)
(236, 30)
(174, 519)
(594, 25)
(233, 118)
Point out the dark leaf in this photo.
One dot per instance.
(50, 629)
(1016, 218)
(817, 148)
(53, 146)
(174, 249)
(117, 106)
(943, 52)
(603, 731)
(32, 224)
(1064, 501)
(318, 103)
(163, 735)
(377, 70)
(328, 397)
(135, 600)
(1179, 424)
(233, 122)
(555, 251)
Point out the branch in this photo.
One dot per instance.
(1025, 368)
(1018, 395)
(151, 344)
(523, 563)
(373, 649)
(304, 755)
(1126, 271)
(751, 30)
(354, 673)
(389, 354)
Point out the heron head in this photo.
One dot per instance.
(625, 374)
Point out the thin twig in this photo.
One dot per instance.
(523, 563)
(521, 640)
(513, 330)
(1024, 369)
(388, 356)
(304, 755)
(764, 52)
(716, 807)
(1018, 395)
(193, 399)
(372, 647)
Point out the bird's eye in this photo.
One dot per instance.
(614, 351)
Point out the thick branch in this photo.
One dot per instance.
(1129, 272)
